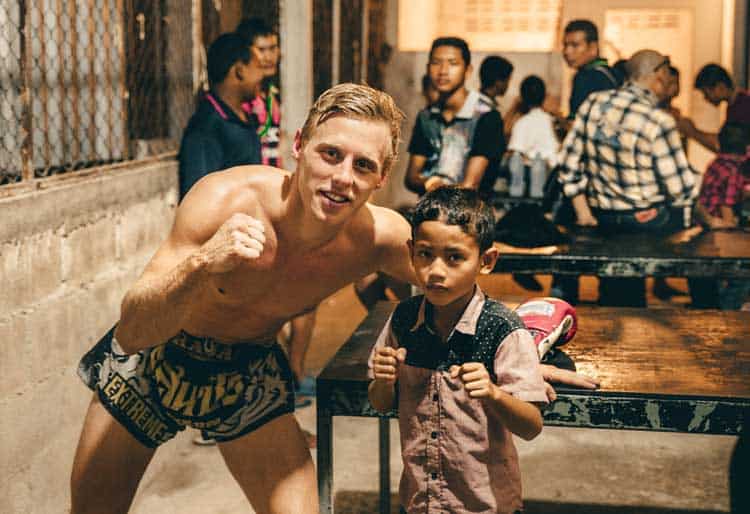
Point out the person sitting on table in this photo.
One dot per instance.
(533, 143)
(581, 53)
(466, 368)
(718, 207)
(624, 167)
(459, 139)
(717, 87)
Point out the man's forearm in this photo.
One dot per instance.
(381, 395)
(155, 308)
(415, 183)
(582, 210)
(706, 139)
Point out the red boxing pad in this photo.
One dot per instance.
(551, 321)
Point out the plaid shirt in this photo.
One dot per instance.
(722, 183)
(625, 153)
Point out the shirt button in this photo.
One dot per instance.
(433, 435)
(434, 397)
(433, 475)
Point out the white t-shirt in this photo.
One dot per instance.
(534, 135)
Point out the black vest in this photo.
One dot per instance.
(424, 349)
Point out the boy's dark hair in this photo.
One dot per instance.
(585, 26)
(734, 138)
(710, 75)
(494, 68)
(457, 206)
(252, 28)
(226, 50)
(455, 42)
(533, 92)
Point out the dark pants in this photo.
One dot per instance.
(712, 293)
(631, 292)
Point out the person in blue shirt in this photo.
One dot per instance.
(220, 134)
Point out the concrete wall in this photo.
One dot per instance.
(67, 254)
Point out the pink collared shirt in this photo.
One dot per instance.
(457, 455)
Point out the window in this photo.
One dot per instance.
(86, 83)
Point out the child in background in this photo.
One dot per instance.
(533, 143)
(718, 207)
(467, 370)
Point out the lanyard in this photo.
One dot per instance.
(269, 114)
(217, 107)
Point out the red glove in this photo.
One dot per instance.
(551, 321)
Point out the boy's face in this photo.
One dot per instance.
(340, 165)
(266, 51)
(447, 262)
(447, 69)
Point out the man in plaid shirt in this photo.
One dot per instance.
(624, 167)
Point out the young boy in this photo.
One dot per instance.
(467, 370)
(718, 207)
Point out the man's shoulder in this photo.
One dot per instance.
(251, 189)
(388, 225)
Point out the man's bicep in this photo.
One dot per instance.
(475, 168)
(196, 220)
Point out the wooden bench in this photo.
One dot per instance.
(674, 370)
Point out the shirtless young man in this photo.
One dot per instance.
(250, 248)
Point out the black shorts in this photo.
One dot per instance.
(225, 390)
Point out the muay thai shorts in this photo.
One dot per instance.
(224, 390)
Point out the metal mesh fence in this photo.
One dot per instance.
(90, 82)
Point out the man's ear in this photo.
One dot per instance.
(297, 145)
(383, 179)
(489, 258)
(410, 244)
(237, 70)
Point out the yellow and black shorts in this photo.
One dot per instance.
(224, 390)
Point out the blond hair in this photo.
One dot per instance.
(356, 101)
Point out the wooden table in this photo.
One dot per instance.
(674, 370)
(719, 254)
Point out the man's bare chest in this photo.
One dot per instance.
(292, 281)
